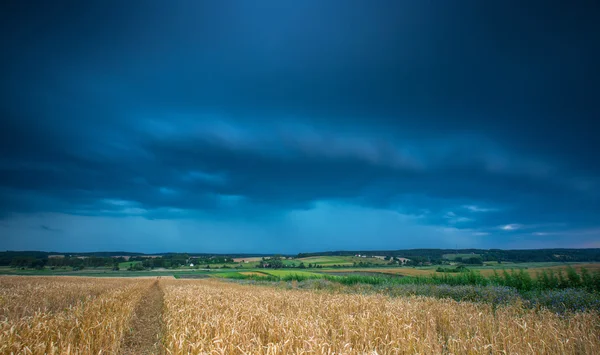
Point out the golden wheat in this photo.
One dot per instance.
(65, 315)
(40, 315)
(22, 296)
(212, 317)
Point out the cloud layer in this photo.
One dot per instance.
(207, 128)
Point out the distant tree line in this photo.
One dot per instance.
(40, 260)
(273, 263)
(77, 263)
(416, 257)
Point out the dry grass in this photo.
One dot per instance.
(212, 317)
(52, 315)
(253, 273)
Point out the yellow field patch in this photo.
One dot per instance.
(253, 273)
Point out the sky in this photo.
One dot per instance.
(298, 126)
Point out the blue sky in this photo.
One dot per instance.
(298, 126)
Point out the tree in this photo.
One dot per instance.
(473, 261)
(276, 263)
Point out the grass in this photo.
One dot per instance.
(533, 269)
(228, 274)
(269, 275)
(519, 280)
(286, 272)
(402, 271)
(560, 301)
(293, 275)
(253, 275)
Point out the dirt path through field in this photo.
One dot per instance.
(145, 332)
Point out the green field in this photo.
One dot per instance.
(228, 274)
(340, 260)
(284, 272)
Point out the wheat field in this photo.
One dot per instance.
(210, 317)
(65, 315)
(69, 315)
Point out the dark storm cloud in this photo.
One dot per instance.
(49, 229)
(471, 115)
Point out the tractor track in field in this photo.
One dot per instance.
(144, 335)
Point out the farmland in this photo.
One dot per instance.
(66, 315)
(301, 268)
(316, 304)
(487, 270)
(340, 260)
(81, 315)
(212, 317)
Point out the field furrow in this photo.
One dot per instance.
(144, 335)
